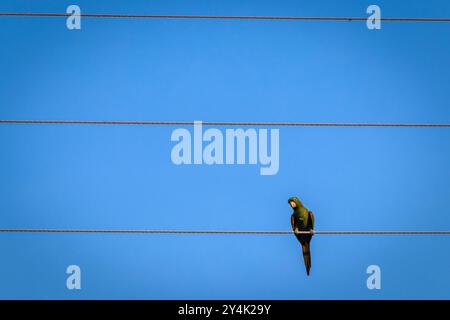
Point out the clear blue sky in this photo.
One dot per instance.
(123, 177)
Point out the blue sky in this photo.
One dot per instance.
(122, 176)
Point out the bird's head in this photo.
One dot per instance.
(295, 203)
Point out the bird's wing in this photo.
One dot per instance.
(311, 218)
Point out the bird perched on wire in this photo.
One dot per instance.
(302, 220)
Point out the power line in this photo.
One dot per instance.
(229, 232)
(227, 123)
(217, 17)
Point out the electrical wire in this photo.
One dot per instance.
(217, 17)
(227, 123)
(229, 232)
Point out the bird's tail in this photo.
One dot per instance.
(307, 257)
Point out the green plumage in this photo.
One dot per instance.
(302, 220)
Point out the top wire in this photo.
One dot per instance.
(216, 17)
(226, 123)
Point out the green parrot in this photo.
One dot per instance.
(302, 220)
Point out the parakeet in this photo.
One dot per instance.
(302, 220)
